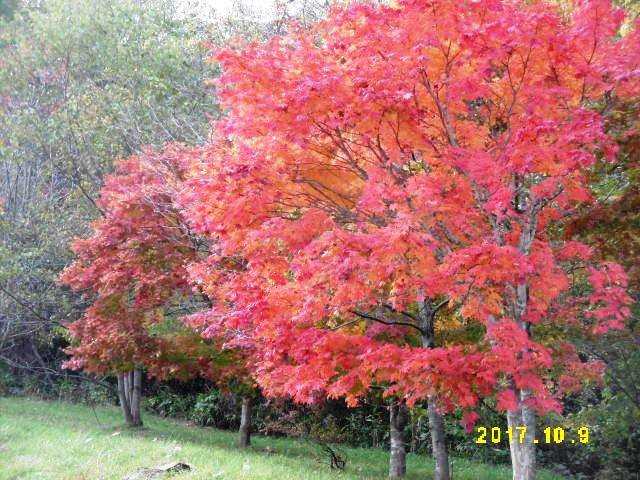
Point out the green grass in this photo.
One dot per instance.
(56, 441)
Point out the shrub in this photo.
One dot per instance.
(167, 403)
(214, 408)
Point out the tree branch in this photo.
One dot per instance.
(406, 314)
(386, 322)
(440, 305)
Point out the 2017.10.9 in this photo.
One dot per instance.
(519, 434)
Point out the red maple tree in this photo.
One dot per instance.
(134, 270)
(396, 160)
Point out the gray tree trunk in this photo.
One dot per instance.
(438, 442)
(523, 455)
(439, 451)
(130, 394)
(127, 389)
(136, 396)
(398, 419)
(244, 433)
(122, 396)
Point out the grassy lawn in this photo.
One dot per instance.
(55, 441)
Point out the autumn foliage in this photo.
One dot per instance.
(389, 165)
(134, 267)
(367, 165)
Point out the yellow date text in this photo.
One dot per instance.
(550, 435)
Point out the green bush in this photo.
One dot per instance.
(613, 449)
(9, 383)
(214, 408)
(170, 404)
(366, 427)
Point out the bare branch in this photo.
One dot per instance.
(386, 322)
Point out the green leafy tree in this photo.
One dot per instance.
(82, 83)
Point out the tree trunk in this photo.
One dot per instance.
(398, 419)
(427, 314)
(438, 442)
(136, 395)
(122, 396)
(244, 433)
(523, 455)
(129, 394)
(127, 389)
